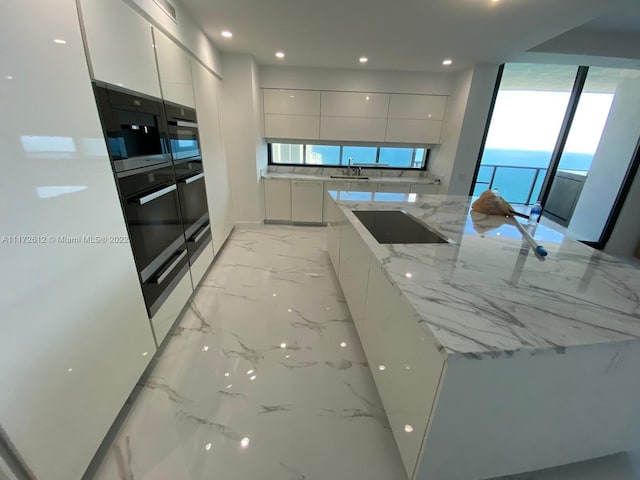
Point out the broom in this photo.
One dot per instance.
(491, 204)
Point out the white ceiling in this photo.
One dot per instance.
(411, 35)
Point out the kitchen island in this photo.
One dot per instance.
(490, 360)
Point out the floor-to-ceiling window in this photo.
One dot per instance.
(527, 116)
(566, 135)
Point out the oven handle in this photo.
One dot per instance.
(156, 194)
(201, 233)
(162, 277)
(182, 123)
(189, 180)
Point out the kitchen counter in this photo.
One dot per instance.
(502, 296)
(371, 179)
(479, 346)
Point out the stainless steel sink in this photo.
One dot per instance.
(397, 226)
(350, 177)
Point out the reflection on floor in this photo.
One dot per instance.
(265, 379)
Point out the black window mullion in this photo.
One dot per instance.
(576, 92)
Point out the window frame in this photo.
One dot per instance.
(375, 166)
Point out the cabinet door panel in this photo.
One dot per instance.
(306, 201)
(413, 131)
(355, 104)
(174, 65)
(404, 361)
(291, 102)
(120, 46)
(417, 107)
(277, 199)
(302, 127)
(354, 272)
(351, 128)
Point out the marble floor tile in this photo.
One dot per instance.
(264, 378)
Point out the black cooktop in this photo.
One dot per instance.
(396, 226)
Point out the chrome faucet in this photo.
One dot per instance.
(352, 170)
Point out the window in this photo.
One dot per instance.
(367, 156)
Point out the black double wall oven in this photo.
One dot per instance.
(158, 171)
(187, 163)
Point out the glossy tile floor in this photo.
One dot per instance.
(264, 378)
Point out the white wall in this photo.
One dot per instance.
(609, 166)
(625, 238)
(75, 333)
(467, 112)
(242, 136)
(353, 80)
(184, 31)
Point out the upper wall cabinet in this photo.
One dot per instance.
(417, 107)
(291, 102)
(355, 104)
(120, 46)
(174, 65)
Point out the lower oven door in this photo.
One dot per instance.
(195, 214)
(155, 228)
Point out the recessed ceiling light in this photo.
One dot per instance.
(363, 60)
(8, 77)
(408, 428)
(60, 41)
(447, 61)
(367, 98)
(227, 34)
(280, 54)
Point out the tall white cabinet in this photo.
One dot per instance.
(76, 336)
(174, 66)
(120, 46)
(207, 93)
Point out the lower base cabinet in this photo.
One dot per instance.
(201, 264)
(171, 308)
(307, 198)
(277, 199)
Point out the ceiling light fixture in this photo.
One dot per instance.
(280, 55)
(227, 34)
(447, 61)
(60, 41)
(363, 59)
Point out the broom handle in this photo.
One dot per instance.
(539, 249)
(521, 215)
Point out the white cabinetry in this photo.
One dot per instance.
(174, 65)
(353, 272)
(301, 127)
(395, 187)
(352, 129)
(417, 107)
(277, 199)
(207, 90)
(291, 114)
(331, 185)
(171, 308)
(402, 130)
(355, 104)
(306, 201)
(200, 266)
(424, 188)
(406, 365)
(291, 102)
(120, 46)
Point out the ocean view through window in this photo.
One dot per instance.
(365, 156)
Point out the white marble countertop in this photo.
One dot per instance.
(489, 294)
(371, 179)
